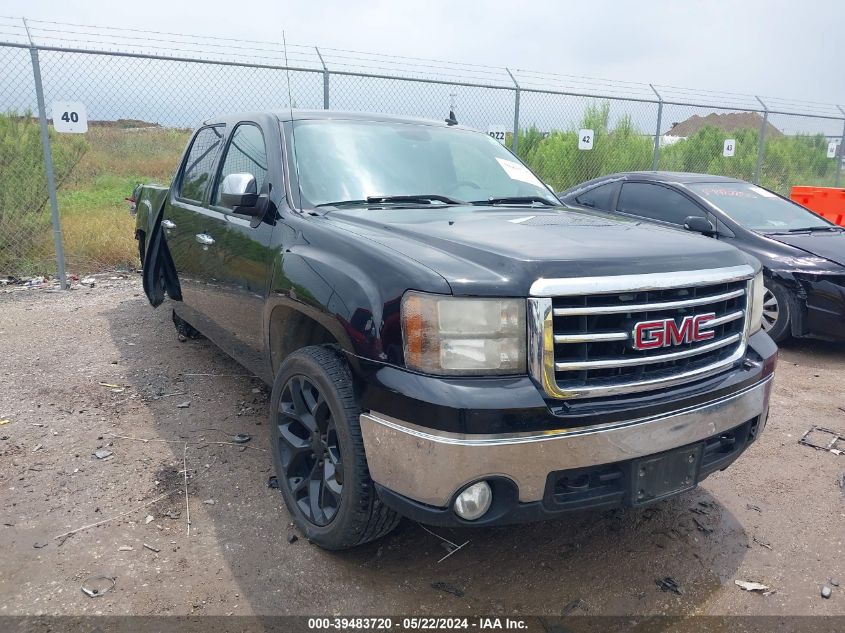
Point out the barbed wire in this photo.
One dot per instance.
(211, 48)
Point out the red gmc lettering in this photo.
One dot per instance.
(650, 334)
(666, 332)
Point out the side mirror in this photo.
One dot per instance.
(239, 193)
(698, 224)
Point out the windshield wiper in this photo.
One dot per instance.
(342, 203)
(423, 198)
(815, 228)
(516, 200)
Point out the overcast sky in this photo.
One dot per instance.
(774, 48)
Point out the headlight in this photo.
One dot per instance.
(755, 304)
(463, 336)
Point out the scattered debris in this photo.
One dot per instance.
(702, 527)
(125, 548)
(148, 519)
(575, 604)
(447, 588)
(451, 547)
(209, 502)
(184, 405)
(37, 448)
(185, 471)
(273, 482)
(94, 587)
(827, 441)
(841, 482)
(88, 281)
(826, 591)
(102, 453)
(112, 388)
(750, 506)
(748, 585)
(151, 548)
(292, 538)
(39, 545)
(5, 422)
(242, 438)
(834, 582)
(761, 543)
(63, 537)
(669, 584)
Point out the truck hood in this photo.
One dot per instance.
(830, 245)
(497, 251)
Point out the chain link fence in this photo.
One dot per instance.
(144, 92)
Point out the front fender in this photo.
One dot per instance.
(351, 287)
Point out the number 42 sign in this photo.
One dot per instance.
(70, 117)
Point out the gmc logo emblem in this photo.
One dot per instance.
(667, 332)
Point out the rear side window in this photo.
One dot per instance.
(656, 202)
(246, 154)
(600, 197)
(200, 162)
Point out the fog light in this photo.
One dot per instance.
(474, 501)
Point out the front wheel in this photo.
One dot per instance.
(318, 452)
(776, 312)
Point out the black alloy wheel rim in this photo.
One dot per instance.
(306, 437)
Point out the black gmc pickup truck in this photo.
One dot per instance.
(444, 341)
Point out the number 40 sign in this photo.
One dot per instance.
(70, 117)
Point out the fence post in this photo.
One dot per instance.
(761, 142)
(325, 80)
(48, 162)
(656, 159)
(841, 161)
(515, 137)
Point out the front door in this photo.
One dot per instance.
(238, 253)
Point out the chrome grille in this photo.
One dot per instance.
(582, 345)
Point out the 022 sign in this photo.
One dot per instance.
(70, 117)
(497, 132)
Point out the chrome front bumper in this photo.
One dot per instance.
(432, 466)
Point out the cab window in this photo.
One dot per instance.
(246, 154)
(199, 163)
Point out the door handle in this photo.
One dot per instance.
(205, 239)
(168, 224)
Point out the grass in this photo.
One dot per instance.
(97, 230)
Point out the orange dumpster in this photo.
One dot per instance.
(828, 202)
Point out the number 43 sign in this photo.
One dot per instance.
(70, 117)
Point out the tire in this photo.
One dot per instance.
(185, 330)
(318, 452)
(777, 312)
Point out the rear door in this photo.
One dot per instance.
(182, 220)
(238, 253)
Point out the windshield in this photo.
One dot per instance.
(756, 208)
(341, 161)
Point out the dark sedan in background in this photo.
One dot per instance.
(803, 255)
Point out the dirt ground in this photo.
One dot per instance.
(97, 368)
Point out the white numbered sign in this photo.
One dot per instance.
(497, 132)
(585, 139)
(730, 147)
(70, 117)
(831, 149)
